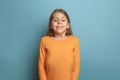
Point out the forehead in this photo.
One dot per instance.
(59, 15)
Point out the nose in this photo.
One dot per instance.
(59, 22)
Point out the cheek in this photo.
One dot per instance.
(65, 24)
(53, 24)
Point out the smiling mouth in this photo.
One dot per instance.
(59, 27)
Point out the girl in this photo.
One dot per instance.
(59, 51)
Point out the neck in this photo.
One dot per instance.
(60, 36)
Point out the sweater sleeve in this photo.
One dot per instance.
(76, 69)
(41, 61)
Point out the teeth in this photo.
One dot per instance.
(59, 27)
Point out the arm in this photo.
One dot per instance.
(41, 62)
(76, 69)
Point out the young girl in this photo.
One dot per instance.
(59, 51)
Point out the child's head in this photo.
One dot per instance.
(59, 22)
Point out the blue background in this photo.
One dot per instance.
(24, 22)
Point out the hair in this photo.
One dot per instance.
(51, 31)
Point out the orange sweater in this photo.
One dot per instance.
(59, 59)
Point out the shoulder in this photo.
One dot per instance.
(45, 38)
(74, 37)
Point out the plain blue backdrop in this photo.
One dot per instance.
(24, 22)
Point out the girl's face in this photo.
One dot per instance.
(59, 23)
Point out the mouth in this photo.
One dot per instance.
(59, 27)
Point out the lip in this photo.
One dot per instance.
(59, 27)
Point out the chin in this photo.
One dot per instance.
(60, 32)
